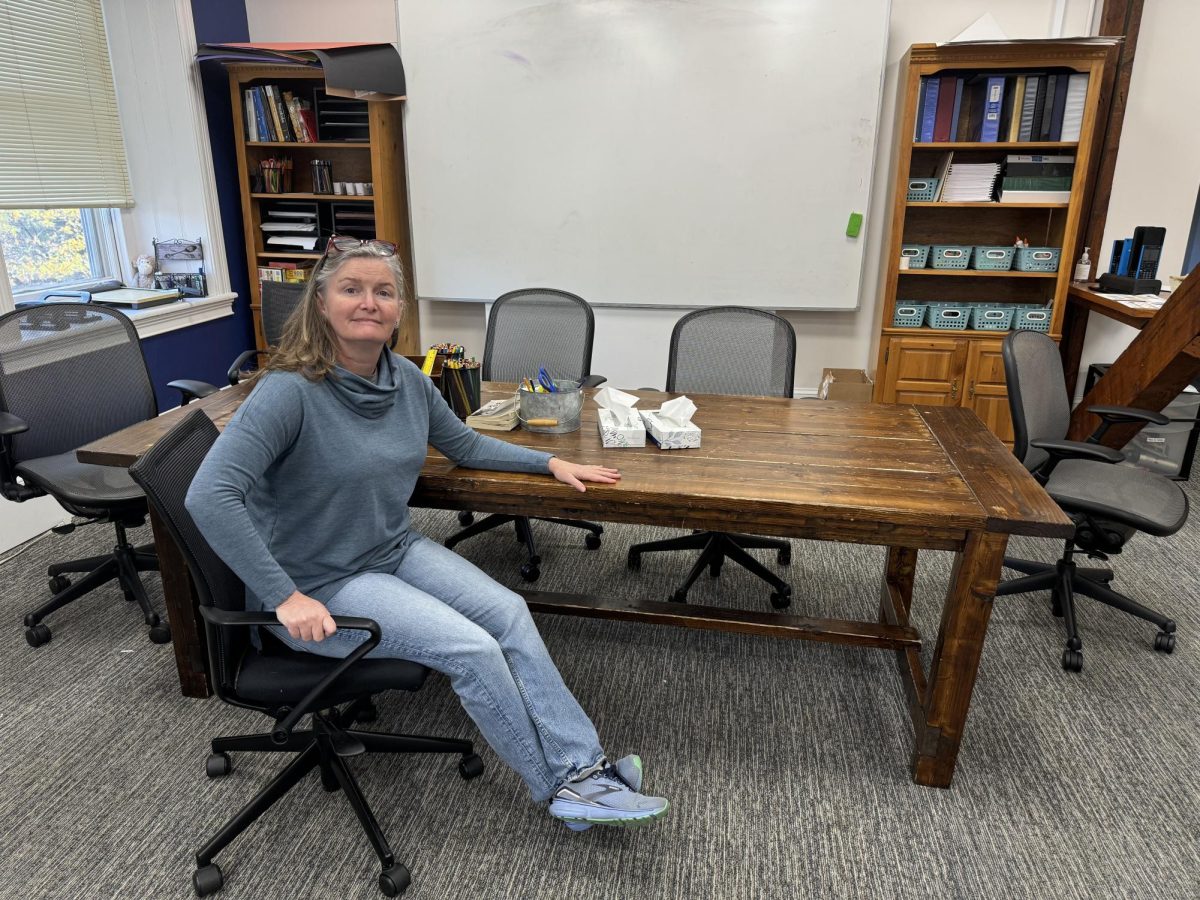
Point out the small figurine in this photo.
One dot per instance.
(145, 271)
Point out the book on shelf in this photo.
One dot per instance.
(278, 116)
(989, 107)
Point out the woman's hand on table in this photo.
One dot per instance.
(575, 474)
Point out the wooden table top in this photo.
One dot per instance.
(1085, 295)
(871, 473)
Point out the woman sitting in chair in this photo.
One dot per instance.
(305, 496)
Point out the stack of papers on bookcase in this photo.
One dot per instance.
(970, 182)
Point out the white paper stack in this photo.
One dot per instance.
(495, 415)
(970, 182)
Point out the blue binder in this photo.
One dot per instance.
(993, 103)
(930, 115)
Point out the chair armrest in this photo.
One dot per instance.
(1116, 415)
(235, 368)
(10, 424)
(591, 381)
(283, 728)
(191, 389)
(1060, 450)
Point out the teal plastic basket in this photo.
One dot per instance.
(909, 315)
(916, 254)
(922, 189)
(949, 316)
(951, 256)
(1032, 318)
(985, 317)
(993, 259)
(1037, 259)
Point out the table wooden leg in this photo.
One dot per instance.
(956, 657)
(187, 628)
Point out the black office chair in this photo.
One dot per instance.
(71, 373)
(528, 329)
(1109, 503)
(285, 684)
(729, 350)
(279, 299)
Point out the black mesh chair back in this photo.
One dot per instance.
(74, 372)
(732, 350)
(538, 327)
(1037, 394)
(165, 473)
(279, 299)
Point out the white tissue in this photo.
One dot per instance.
(678, 412)
(620, 404)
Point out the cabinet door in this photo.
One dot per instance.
(924, 370)
(987, 390)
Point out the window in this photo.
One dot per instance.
(57, 248)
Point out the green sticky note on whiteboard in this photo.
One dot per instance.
(854, 226)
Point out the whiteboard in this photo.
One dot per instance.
(642, 152)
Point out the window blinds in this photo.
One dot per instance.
(60, 137)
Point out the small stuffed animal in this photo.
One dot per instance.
(145, 271)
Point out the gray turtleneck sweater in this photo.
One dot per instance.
(309, 484)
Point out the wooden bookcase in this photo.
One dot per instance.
(963, 368)
(380, 161)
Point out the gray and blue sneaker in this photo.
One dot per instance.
(607, 797)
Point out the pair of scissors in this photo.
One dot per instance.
(546, 381)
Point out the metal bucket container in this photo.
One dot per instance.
(564, 407)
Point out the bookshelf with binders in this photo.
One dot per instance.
(311, 164)
(995, 150)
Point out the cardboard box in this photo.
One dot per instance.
(670, 436)
(849, 385)
(615, 433)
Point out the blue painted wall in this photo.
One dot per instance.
(205, 351)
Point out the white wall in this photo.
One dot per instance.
(18, 523)
(631, 345)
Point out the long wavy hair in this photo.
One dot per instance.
(308, 345)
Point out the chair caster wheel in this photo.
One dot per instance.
(207, 880)
(634, 560)
(1072, 660)
(59, 583)
(530, 572)
(465, 518)
(470, 766)
(1164, 642)
(152, 619)
(394, 881)
(218, 765)
(784, 556)
(368, 712)
(37, 635)
(679, 596)
(160, 634)
(1074, 644)
(592, 542)
(782, 599)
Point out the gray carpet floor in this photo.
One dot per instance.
(786, 762)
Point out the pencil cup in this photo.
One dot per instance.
(322, 176)
(552, 413)
(460, 387)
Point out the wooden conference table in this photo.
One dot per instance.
(910, 478)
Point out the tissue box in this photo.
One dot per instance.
(851, 385)
(670, 436)
(616, 433)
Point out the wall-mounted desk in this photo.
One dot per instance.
(909, 478)
(1152, 370)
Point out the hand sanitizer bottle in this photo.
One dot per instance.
(1084, 267)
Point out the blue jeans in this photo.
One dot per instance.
(439, 610)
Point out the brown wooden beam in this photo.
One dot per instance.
(1152, 371)
(1118, 18)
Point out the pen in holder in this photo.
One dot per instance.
(322, 176)
(551, 412)
(460, 386)
(276, 175)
